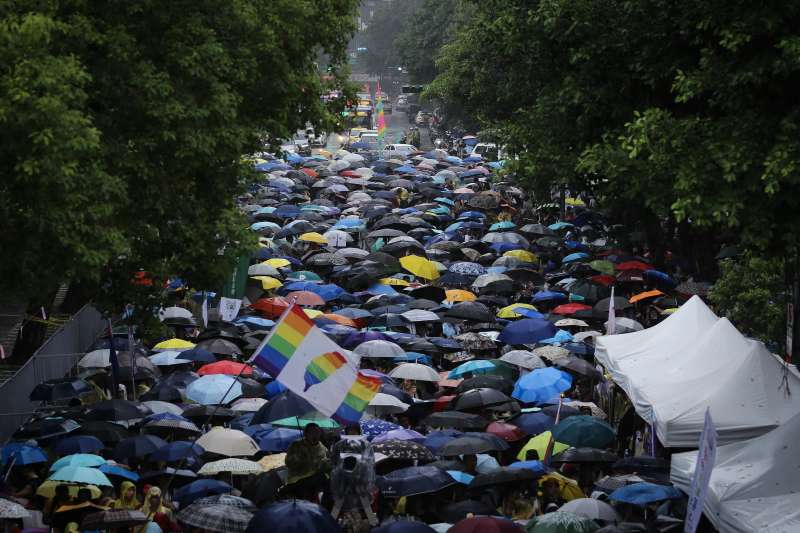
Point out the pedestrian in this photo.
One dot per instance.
(308, 462)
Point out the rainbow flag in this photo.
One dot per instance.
(306, 361)
(381, 119)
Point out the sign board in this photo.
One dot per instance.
(237, 280)
(706, 455)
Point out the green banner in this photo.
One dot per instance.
(237, 280)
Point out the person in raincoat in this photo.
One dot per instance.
(155, 511)
(127, 497)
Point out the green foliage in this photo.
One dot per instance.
(679, 110)
(430, 26)
(751, 292)
(124, 124)
(388, 22)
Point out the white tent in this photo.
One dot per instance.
(755, 484)
(693, 360)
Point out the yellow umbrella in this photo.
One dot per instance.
(277, 262)
(458, 295)
(273, 461)
(508, 311)
(539, 443)
(312, 313)
(268, 282)
(574, 201)
(173, 344)
(314, 237)
(420, 267)
(669, 311)
(570, 490)
(48, 488)
(523, 255)
(394, 281)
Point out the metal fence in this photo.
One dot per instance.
(54, 359)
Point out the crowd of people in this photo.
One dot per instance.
(476, 309)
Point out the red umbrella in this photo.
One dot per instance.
(310, 172)
(485, 524)
(305, 298)
(507, 432)
(568, 309)
(604, 279)
(633, 265)
(230, 368)
(442, 403)
(271, 307)
(349, 174)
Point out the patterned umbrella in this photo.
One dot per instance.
(235, 466)
(561, 522)
(403, 449)
(112, 519)
(222, 518)
(228, 500)
(374, 427)
(467, 268)
(9, 509)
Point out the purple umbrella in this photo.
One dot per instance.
(400, 434)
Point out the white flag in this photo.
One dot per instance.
(611, 325)
(205, 310)
(229, 308)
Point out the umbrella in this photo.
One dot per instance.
(138, 446)
(11, 510)
(117, 410)
(644, 493)
(456, 419)
(230, 368)
(78, 459)
(503, 475)
(80, 474)
(59, 389)
(199, 489)
(541, 385)
(489, 381)
(378, 348)
(478, 366)
(415, 371)
(228, 442)
(214, 389)
(585, 455)
(177, 451)
(533, 423)
(467, 268)
(561, 522)
(620, 303)
(277, 440)
(113, 519)
(284, 405)
(505, 431)
(551, 353)
(235, 466)
(469, 310)
(414, 480)
(78, 444)
(458, 295)
(458, 511)
(527, 331)
(107, 432)
(579, 366)
(539, 444)
(469, 444)
(24, 455)
(584, 430)
(174, 344)
(480, 398)
(374, 427)
(216, 517)
(404, 526)
(524, 359)
(485, 524)
(295, 516)
(591, 508)
(400, 434)
(118, 471)
(420, 267)
(403, 449)
(228, 500)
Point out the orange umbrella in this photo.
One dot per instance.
(309, 172)
(305, 298)
(645, 295)
(231, 368)
(458, 295)
(339, 319)
(271, 307)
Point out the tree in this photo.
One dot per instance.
(429, 27)
(389, 20)
(125, 124)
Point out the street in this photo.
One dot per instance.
(397, 123)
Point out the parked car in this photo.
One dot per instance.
(401, 104)
(398, 151)
(423, 118)
(487, 151)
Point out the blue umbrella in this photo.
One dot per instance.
(78, 459)
(241, 422)
(644, 493)
(253, 322)
(414, 480)
(413, 357)
(660, 277)
(78, 444)
(214, 389)
(81, 474)
(293, 516)
(200, 488)
(579, 348)
(559, 337)
(533, 423)
(24, 455)
(577, 256)
(442, 200)
(278, 440)
(176, 451)
(541, 384)
(114, 470)
(362, 336)
(559, 225)
(549, 296)
(405, 169)
(373, 427)
(527, 313)
(461, 477)
(405, 526)
(467, 268)
(198, 354)
(527, 331)
(479, 366)
(505, 224)
(436, 439)
(274, 388)
(137, 446)
(535, 466)
(472, 214)
(258, 429)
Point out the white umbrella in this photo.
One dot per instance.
(364, 172)
(583, 335)
(9, 509)
(355, 253)
(353, 158)
(485, 279)
(421, 315)
(248, 404)
(591, 508)
(386, 404)
(337, 238)
(262, 269)
(552, 353)
(338, 166)
(174, 312)
(235, 466)
(96, 359)
(159, 407)
(567, 322)
(168, 358)
(378, 348)
(228, 442)
(626, 325)
(415, 371)
(523, 359)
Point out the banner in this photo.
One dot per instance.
(706, 455)
(237, 281)
(229, 308)
(611, 326)
(302, 358)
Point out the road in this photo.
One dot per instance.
(396, 125)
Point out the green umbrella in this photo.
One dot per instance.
(604, 267)
(303, 275)
(302, 421)
(561, 522)
(584, 431)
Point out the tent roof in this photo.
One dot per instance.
(694, 360)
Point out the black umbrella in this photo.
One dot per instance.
(501, 476)
(108, 432)
(459, 510)
(397, 392)
(117, 410)
(282, 406)
(504, 385)
(137, 446)
(641, 463)
(585, 455)
(414, 480)
(619, 303)
(477, 312)
(429, 292)
(403, 449)
(469, 445)
(209, 413)
(479, 398)
(46, 428)
(164, 392)
(181, 379)
(59, 389)
(424, 304)
(220, 347)
(579, 366)
(456, 419)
